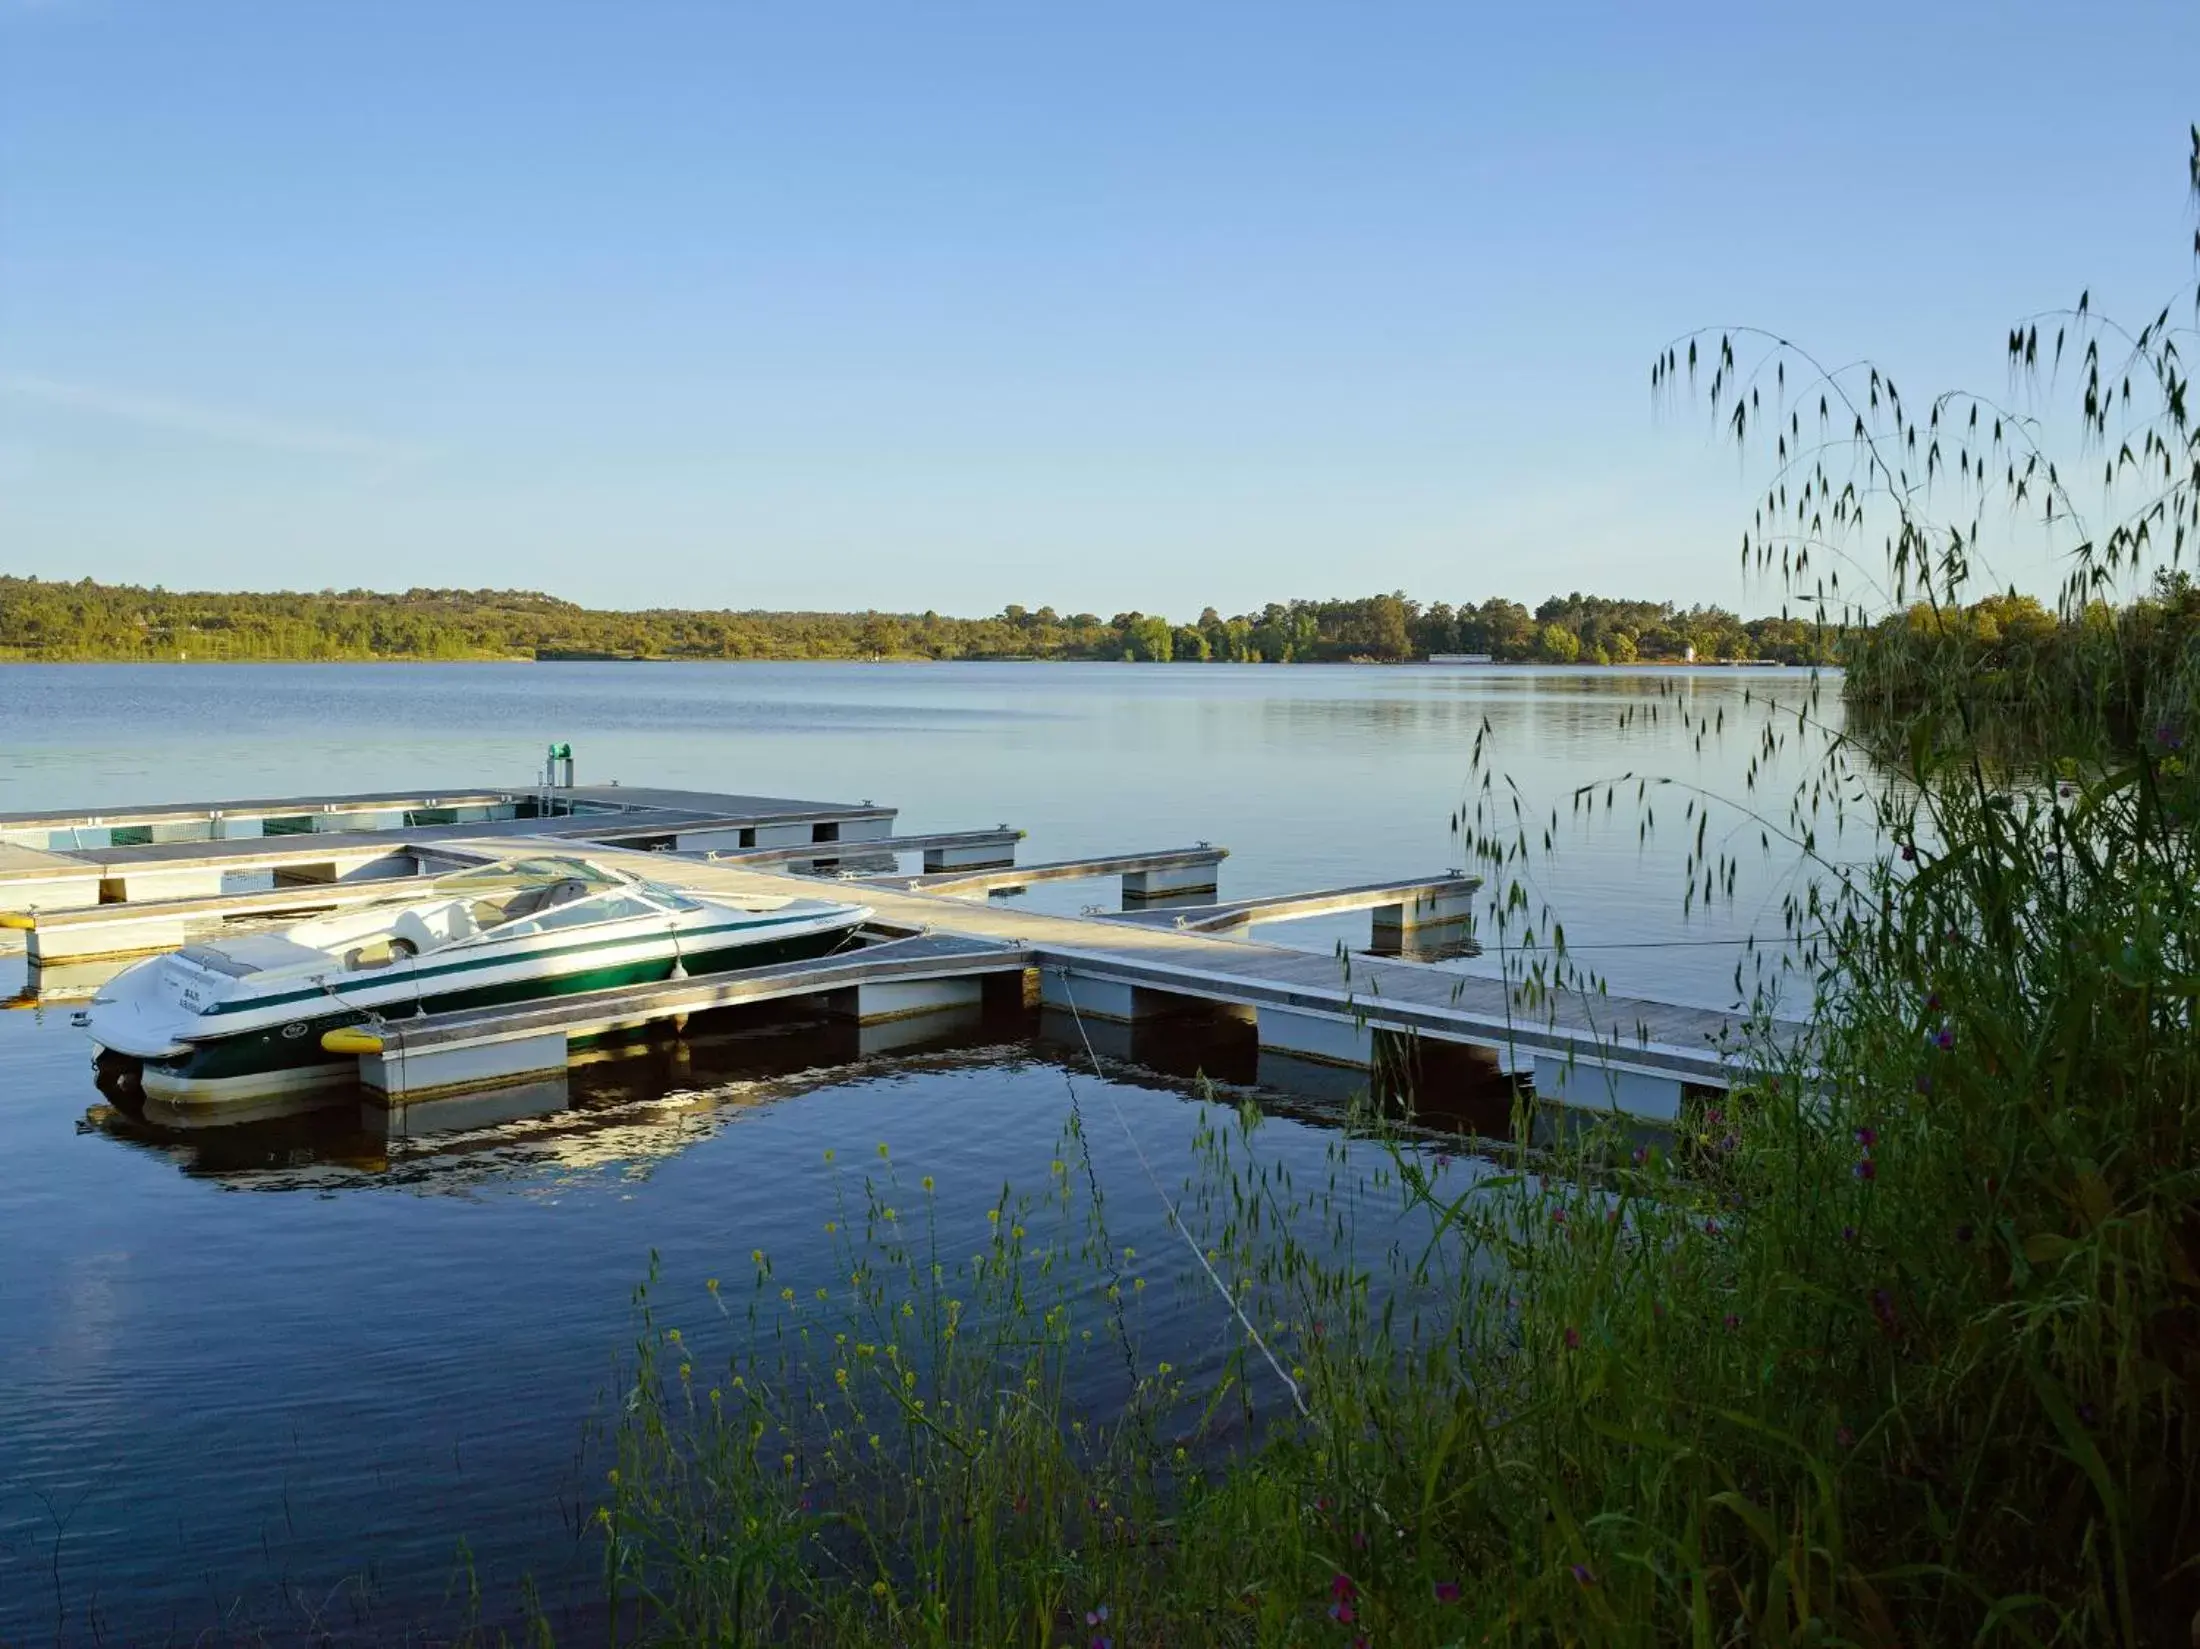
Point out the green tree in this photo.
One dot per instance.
(1150, 640)
(1557, 645)
(1507, 630)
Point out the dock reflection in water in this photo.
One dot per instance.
(61, 984)
(248, 1398)
(630, 1103)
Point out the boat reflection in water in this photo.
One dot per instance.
(622, 1104)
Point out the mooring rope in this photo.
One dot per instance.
(1176, 1222)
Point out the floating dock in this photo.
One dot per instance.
(1400, 908)
(137, 881)
(1633, 1055)
(1172, 873)
(69, 861)
(147, 926)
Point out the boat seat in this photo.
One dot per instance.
(508, 910)
(414, 930)
(435, 927)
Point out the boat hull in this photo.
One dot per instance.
(217, 1075)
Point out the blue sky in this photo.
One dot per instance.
(927, 305)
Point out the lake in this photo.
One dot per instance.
(277, 1379)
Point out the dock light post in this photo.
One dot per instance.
(559, 760)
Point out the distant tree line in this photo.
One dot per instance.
(40, 619)
(2007, 662)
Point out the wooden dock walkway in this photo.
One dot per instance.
(145, 926)
(1172, 871)
(1341, 1000)
(388, 810)
(1400, 907)
(35, 879)
(1637, 1056)
(331, 846)
(942, 850)
(209, 819)
(437, 1055)
(936, 941)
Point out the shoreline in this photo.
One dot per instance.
(1499, 665)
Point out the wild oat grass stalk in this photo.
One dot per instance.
(1896, 1343)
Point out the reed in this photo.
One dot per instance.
(1895, 1344)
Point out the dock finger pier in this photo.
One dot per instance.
(90, 892)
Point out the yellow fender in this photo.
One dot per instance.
(22, 921)
(350, 1040)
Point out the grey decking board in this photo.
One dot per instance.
(1054, 870)
(277, 806)
(304, 849)
(709, 802)
(1323, 902)
(36, 863)
(630, 797)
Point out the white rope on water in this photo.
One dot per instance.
(1176, 1223)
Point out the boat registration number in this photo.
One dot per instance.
(189, 996)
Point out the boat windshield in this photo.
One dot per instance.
(514, 890)
(535, 870)
(670, 897)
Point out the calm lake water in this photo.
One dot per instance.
(271, 1379)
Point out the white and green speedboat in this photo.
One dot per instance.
(242, 1019)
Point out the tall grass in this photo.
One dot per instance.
(1897, 1343)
